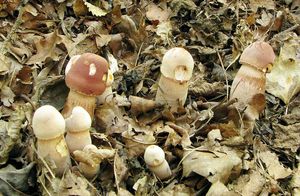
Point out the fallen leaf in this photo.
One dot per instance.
(46, 48)
(10, 131)
(272, 165)
(96, 11)
(250, 184)
(287, 136)
(214, 165)
(15, 181)
(295, 182)
(255, 4)
(284, 79)
(157, 13)
(7, 96)
(176, 190)
(217, 188)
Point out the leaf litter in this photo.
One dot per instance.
(211, 150)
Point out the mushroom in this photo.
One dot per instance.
(78, 126)
(107, 95)
(176, 71)
(249, 83)
(90, 158)
(49, 128)
(86, 77)
(154, 157)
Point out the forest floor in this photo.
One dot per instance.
(209, 151)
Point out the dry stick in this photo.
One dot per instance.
(226, 79)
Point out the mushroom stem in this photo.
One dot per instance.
(162, 171)
(171, 92)
(77, 99)
(154, 157)
(49, 127)
(78, 140)
(78, 129)
(253, 81)
(57, 150)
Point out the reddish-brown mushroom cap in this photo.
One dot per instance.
(259, 54)
(86, 74)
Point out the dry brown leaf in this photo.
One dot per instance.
(7, 96)
(275, 169)
(283, 81)
(288, 135)
(215, 165)
(95, 10)
(157, 13)
(255, 4)
(177, 190)
(249, 184)
(120, 168)
(46, 48)
(218, 188)
(295, 182)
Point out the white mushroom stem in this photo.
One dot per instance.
(57, 151)
(176, 71)
(171, 92)
(78, 129)
(49, 128)
(155, 159)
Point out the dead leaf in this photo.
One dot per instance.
(10, 131)
(120, 169)
(15, 181)
(7, 96)
(249, 184)
(218, 188)
(255, 4)
(295, 182)
(177, 190)
(214, 165)
(287, 136)
(46, 48)
(284, 79)
(95, 10)
(272, 165)
(157, 13)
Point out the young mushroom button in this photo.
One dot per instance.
(154, 157)
(86, 77)
(78, 126)
(176, 71)
(49, 128)
(249, 82)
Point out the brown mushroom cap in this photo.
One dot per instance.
(86, 74)
(259, 54)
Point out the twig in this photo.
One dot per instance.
(226, 79)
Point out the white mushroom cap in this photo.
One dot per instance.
(177, 64)
(48, 123)
(79, 120)
(154, 155)
(70, 63)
